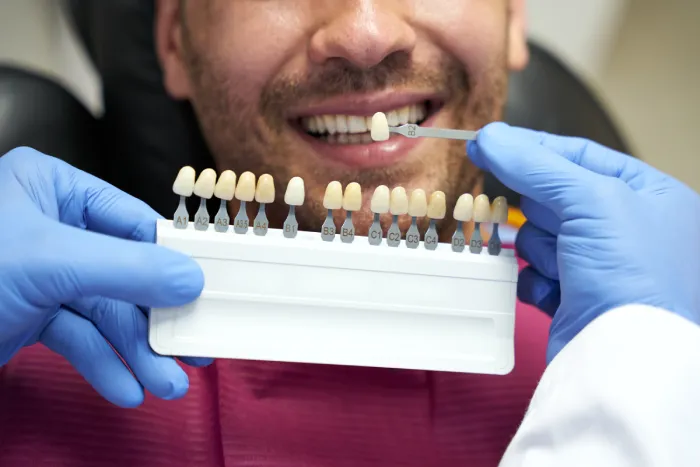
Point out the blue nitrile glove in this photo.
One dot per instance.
(604, 230)
(74, 259)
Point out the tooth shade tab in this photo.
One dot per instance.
(464, 209)
(380, 200)
(294, 196)
(226, 186)
(482, 209)
(184, 182)
(333, 198)
(245, 190)
(499, 210)
(265, 191)
(352, 199)
(206, 182)
(437, 207)
(418, 204)
(380, 127)
(399, 201)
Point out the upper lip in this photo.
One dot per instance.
(364, 105)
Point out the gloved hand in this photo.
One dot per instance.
(74, 261)
(604, 230)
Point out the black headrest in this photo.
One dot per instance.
(151, 136)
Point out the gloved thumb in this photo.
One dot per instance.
(516, 158)
(76, 263)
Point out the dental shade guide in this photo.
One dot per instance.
(183, 187)
(379, 205)
(245, 193)
(264, 194)
(417, 208)
(267, 298)
(352, 201)
(437, 208)
(333, 199)
(224, 190)
(398, 206)
(381, 131)
(499, 212)
(293, 197)
(463, 212)
(204, 189)
(482, 213)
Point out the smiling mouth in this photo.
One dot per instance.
(338, 129)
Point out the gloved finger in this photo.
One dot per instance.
(540, 216)
(88, 202)
(539, 249)
(531, 169)
(79, 342)
(126, 328)
(197, 362)
(539, 291)
(72, 263)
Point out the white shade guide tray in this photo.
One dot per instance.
(184, 182)
(380, 127)
(380, 200)
(294, 196)
(265, 191)
(352, 198)
(499, 210)
(418, 203)
(399, 201)
(437, 207)
(226, 186)
(245, 190)
(482, 209)
(464, 209)
(333, 199)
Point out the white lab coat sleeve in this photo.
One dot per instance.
(624, 392)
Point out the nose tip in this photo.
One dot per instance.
(364, 38)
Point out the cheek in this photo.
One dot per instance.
(250, 43)
(474, 31)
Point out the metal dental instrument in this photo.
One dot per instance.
(415, 131)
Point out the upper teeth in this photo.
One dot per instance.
(354, 124)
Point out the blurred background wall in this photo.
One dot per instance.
(642, 57)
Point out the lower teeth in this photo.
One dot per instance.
(346, 138)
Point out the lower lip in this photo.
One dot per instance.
(366, 156)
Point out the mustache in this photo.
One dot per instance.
(339, 76)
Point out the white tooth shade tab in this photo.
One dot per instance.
(418, 204)
(184, 182)
(437, 207)
(333, 199)
(380, 127)
(265, 191)
(482, 209)
(294, 196)
(464, 209)
(359, 124)
(499, 210)
(226, 186)
(206, 182)
(399, 201)
(352, 199)
(380, 200)
(245, 190)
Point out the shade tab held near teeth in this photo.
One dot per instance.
(380, 127)
(206, 182)
(418, 204)
(499, 210)
(380, 200)
(333, 198)
(184, 182)
(464, 208)
(399, 201)
(245, 190)
(437, 207)
(294, 196)
(482, 209)
(265, 191)
(226, 186)
(352, 199)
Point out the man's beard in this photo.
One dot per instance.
(246, 134)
